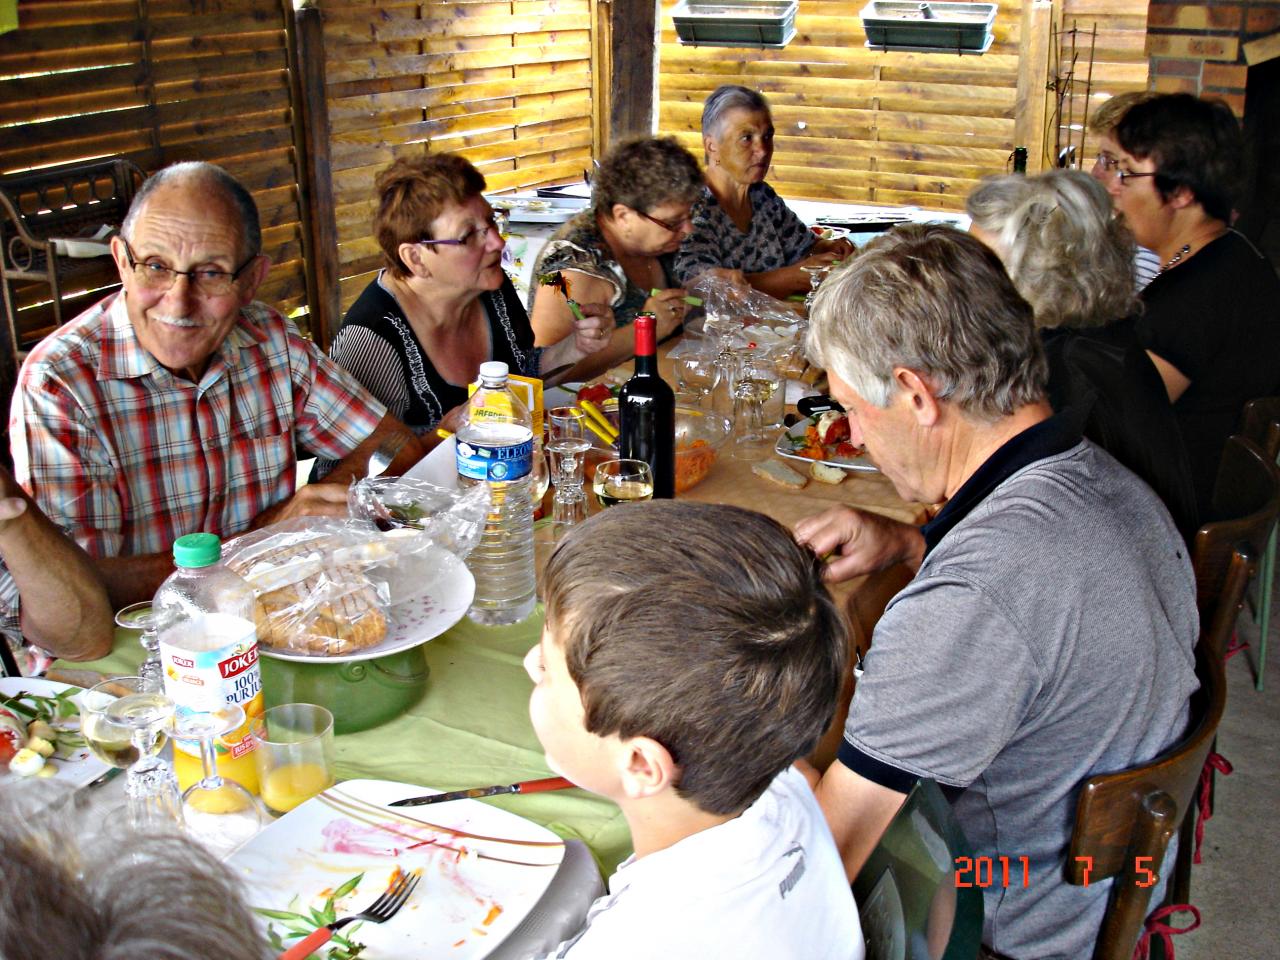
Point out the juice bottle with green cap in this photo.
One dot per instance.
(209, 654)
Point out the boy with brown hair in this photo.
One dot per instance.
(691, 655)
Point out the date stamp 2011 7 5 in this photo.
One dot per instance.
(1005, 871)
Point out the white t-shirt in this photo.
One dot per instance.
(767, 884)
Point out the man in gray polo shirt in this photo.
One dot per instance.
(1049, 632)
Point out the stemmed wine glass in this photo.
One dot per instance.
(140, 616)
(124, 722)
(697, 376)
(817, 274)
(567, 450)
(219, 813)
(622, 481)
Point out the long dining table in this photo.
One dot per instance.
(471, 725)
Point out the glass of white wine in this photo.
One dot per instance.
(622, 481)
(757, 384)
(125, 722)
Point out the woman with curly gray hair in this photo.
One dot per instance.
(1072, 260)
(620, 250)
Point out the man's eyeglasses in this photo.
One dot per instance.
(665, 225)
(1125, 176)
(207, 281)
(477, 235)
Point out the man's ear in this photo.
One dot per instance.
(646, 767)
(252, 278)
(919, 396)
(121, 256)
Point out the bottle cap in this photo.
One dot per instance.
(646, 334)
(197, 550)
(493, 370)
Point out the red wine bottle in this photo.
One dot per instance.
(647, 412)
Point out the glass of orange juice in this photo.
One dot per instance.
(294, 754)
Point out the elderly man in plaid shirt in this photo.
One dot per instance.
(178, 404)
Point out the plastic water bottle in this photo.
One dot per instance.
(209, 653)
(495, 447)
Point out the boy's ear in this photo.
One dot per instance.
(646, 768)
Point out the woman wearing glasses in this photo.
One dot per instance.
(442, 304)
(619, 250)
(1210, 321)
(742, 224)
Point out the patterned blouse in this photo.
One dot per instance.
(776, 237)
(377, 346)
(579, 246)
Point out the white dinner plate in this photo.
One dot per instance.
(483, 869)
(79, 768)
(796, 430)
(539, 209)
(443, 603)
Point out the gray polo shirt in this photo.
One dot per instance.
(1048, 636)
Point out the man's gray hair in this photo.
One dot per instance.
(938, 302)
(1065, 252)
(106, 892)
(726, 98)
(209, 174)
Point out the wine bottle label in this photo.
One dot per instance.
(478, 461)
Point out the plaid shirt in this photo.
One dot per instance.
(127, 457)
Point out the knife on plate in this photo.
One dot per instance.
(525, 786)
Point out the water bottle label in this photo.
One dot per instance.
(495, 463)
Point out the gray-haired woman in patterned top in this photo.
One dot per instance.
(742, 226)
(442, 305)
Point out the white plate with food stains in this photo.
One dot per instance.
(482, 870)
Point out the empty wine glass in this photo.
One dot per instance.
(817, 274)
(696, 376)
(125, 721)
(218, 812)
(757, 383)
(568, 458)
(622, 481)
(140, 616)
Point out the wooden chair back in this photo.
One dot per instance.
(1124, 820)
(1261, 424)
(1246, 501)
(911, 901)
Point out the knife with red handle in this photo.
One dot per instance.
(525, 786)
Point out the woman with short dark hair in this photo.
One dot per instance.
(619, 250)
(742, 225)
(1210, 321)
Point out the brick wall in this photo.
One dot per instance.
(1198, 47)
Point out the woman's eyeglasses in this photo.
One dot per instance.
(1126, 175)
(207, 281)
(675, 227)
(477, 235)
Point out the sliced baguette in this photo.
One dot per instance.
(775, 471)
(826, 474)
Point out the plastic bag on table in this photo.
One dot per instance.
(320, 584)
(450, 518)
(738, 314)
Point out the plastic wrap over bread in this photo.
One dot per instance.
(450, 518)
(741, 314)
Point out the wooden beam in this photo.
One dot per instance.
(315, 176)
(634, 77)
(1031, 109)
(1261, 50)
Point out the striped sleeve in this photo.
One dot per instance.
(375, 364)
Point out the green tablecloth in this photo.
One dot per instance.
(471, 728)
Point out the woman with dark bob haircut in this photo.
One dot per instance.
(1210, 320)
(741, 224)
(442, 304)
(619, 250)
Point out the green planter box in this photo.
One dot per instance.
(942, 27)
(741, 23)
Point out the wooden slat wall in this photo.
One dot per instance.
(506, 84)
(158, 81)
(1119, 61)
(869, 126)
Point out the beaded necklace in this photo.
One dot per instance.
(1177, 257)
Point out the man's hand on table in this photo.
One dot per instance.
(859, 542)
